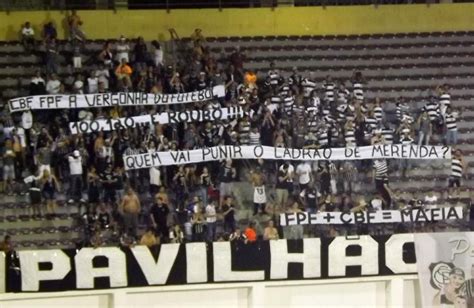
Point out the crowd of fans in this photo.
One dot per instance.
(199, 202)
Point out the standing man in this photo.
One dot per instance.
(458, 169)
(159, 216)
(211, 219)
(75, 169)
(130, 208)
(303, 171)
(259, 195)
(381, 181)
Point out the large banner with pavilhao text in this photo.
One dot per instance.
(177, 264)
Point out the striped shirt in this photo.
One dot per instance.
(329, 89)
(323, 137)
(445, 99)
(244, 132)
(343, 95)
(378, 113)
(387, 134)
(451, 121)
(456, 167)
(276, 99)
(274, 77)
(288, 104)
(285, 90)
(358, 90)
(349, 136)
(371, 123)
(381, 169)
(254, 138)
(308, 87)
(433, 110)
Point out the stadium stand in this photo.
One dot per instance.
(407, 68)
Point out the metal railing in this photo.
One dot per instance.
(26, 5)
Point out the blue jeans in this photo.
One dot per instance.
(452, 137)
(211, 231)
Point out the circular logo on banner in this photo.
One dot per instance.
(440, 274)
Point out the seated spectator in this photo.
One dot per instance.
(270, 232)
(251, 233)
(149, 239)
(6, 245)
(28, 37)
(124, 72)
(54, 85)
(49, 31)
(238, 236)
(176, 235)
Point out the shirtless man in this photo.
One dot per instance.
(259, 196)
(130, 208)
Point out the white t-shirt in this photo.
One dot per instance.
(155, 176)
(21, 133)
(93, 84)
(122, 52)
(27, 119)
(376, 204)
(158, 57)
(303, 171)
(211, 210)
(53, 86)
(27, 31)
(291, 171)
(75, 165)
(431, 202)
(78, 86)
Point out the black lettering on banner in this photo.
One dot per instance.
(406, 215)
(193, 96)
(165, 98)
(290, 217)
(258, 153)
(118, 125)
(157, 99)
(208, 93)
(172, 117)
(432, 153)
(130, 161)
(89, 103)
(216, 114)
(94, 126)
(300, 218)
(377, 151)
(73, 127)
(445, 151)
(206, 115)
(183, 117)
(72, 101)
(395, 149)
(452, 214)
(313, 218)
(201, 95)
(129, 122)
(344, 219)
(356, 152)
(420, 215)
(237, 151)
(83, 127)
(348, 152)
(327, 153)
(155, 157)
(359, 217)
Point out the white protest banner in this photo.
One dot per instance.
(399, 151)
(378, 217)
(162, 118)
(445, 268)
(71, 101)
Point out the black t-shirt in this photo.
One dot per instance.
(229, 217)
(160, 214)
(109, 180)
(226, 174)
(281, 184)
(104, 220)
(311, 196)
